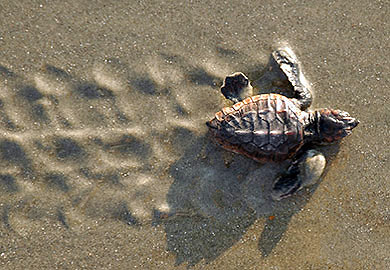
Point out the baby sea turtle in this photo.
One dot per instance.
(273, 128)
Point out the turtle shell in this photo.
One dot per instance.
(266, 127)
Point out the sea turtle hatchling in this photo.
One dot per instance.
(274, 128)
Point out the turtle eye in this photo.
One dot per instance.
(328, 125)
(327, 129)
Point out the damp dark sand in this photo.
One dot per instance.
(102, 136)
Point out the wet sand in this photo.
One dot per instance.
(105, 159)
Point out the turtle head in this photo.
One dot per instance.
(333, 125)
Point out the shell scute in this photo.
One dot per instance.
(256, 98)
(261, 137)
(244, 135)
(238, 105)
(248, 100)
(265, 127)
(227, 110)
(219, 116)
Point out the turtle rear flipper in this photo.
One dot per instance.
(237, 87)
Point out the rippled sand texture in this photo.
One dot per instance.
(105, 159)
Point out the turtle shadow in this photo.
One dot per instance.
(207, 214)
(277, 224)
(216, 196)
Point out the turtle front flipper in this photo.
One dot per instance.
(236, 87)
(304, 171)
(289, 64)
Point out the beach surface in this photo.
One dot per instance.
(105, 158)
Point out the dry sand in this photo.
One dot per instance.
(102, 136)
